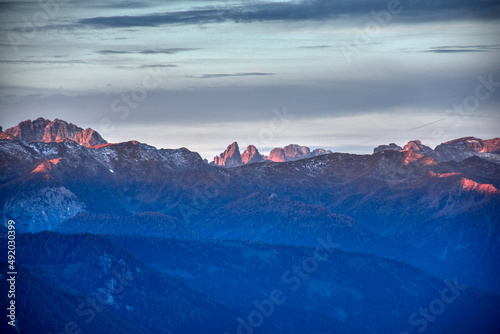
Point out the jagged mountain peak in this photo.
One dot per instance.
(290, 152)
(46, 131)
(456, 149)
(390, 147)
(294, 151)
(277, 155)
(417, 147)
(231, 157)
(473, 144)
(251, 155)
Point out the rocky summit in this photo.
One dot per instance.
(290, 152)
(251, 155)
(453, 150)
(46, 131)
(231, 157)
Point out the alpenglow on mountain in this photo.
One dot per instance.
(46, 131)
(457, 150)
(232, 157)
(128, 238)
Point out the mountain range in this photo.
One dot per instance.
(224, 234)
(456, 150)
(232, 157)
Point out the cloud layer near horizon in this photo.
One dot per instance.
(250, 11)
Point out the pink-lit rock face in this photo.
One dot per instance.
(468, 145)
(410, 157)
(294, 151)
(89, 137)
(417, 147)
(4, 135)
(288, 153)
(469, 185)
(491, 146)
(462, 148)
(55, 161)
(443, 175)
(42, 130)
(453, 150)
(45, 168)
(42, 168)
(466, 184)
(251, 155)
(277, 155)
(231, 157)
(58, 130)
(29, 130)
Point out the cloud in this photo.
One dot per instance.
(421, 11)
(157, 66)
(45, 62)
(454, 50)
(124, 5)
(166, 51)
(316, 47)
(224, 75)
(396, 91)
(148, 66)
(147, 52)
(107, 52)
(463, 49)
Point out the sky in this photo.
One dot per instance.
(344, 75)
